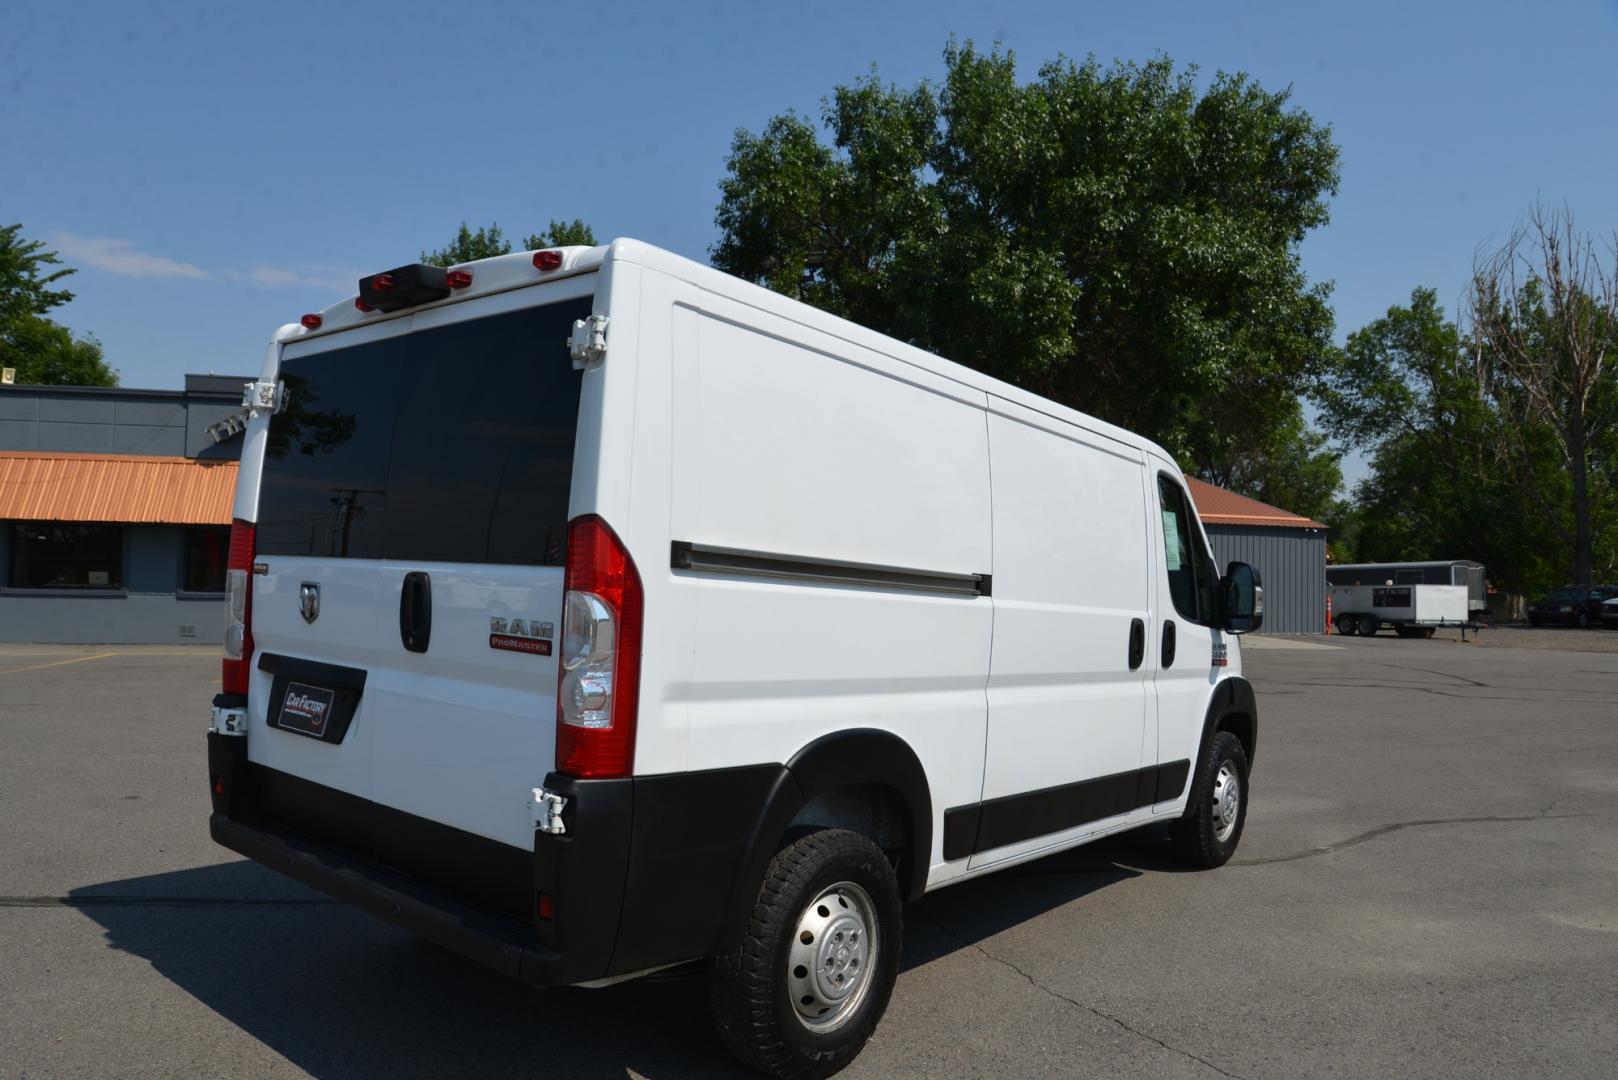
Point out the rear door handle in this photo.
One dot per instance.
(1137, 642)
(1168, 643)
(416, 611)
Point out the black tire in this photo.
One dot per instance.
(1429, 632)
(1533, 622)
(1582, 620)
(1196, 834)
(755, 988)
(1369, 625)
(1407, 631)
(1346, 625)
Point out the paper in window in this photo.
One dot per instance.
(1171, 537)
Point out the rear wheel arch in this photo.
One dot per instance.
(845, 779)
(865, 767)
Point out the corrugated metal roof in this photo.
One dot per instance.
(126, 488)
(1216, 506)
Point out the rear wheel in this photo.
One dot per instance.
(1346, 625)
(1207, 834)
(1582, 620)
(814, 972)
(1369, 625)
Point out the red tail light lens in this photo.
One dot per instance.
(382, 282)
(311, 322)
(361, 305)
(598, 692)
(547, 260)
(458, 279)
(238, 608)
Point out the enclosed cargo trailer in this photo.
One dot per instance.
(1411, 610)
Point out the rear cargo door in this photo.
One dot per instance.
(411, 540)
(469, 588)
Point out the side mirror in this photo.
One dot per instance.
(1241, 599)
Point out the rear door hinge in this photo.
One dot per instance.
(547, 809)
(263, 396)
(588, 344)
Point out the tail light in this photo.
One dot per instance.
(597, 695)
(238, 608)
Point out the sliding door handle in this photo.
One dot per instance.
(1137, 642)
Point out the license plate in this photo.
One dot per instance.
(307, 709)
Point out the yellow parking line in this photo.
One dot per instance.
(56, 663)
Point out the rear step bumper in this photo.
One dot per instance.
(649, 872)
(473, 935)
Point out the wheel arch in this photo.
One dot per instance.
(1232, 708)
(861, 758)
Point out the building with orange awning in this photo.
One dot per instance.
(115, 512)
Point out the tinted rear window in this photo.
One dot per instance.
(453, 444)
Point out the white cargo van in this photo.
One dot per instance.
(594, 612)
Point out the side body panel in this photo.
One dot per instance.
(1072, 577)
(792, 443)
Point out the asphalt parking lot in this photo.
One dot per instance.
(1428, 887)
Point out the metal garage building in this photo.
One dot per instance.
(1288, 551)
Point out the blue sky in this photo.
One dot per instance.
(216, 170)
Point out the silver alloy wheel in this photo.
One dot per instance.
(833, 948)
(1227, 801)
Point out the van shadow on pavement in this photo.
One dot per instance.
(342, 995)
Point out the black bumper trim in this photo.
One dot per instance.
(484, 939)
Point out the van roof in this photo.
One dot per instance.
(502, 273)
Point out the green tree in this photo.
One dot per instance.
(43, 351)
(1544, 321)
(1114, 238)
(1408, 389)
(468, 246)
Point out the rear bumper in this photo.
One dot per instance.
(641, 878)
(393, 898)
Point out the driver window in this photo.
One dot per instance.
(1189, 566)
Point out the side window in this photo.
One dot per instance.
(1189, 566)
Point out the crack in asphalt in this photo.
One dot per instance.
(157, 901)
(1091, 1009)
(1384, 830)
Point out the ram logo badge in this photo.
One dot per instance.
(309, 600)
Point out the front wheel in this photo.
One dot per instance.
(1347, 624)
(1207, 834)
(1582, 620)
(814, 972)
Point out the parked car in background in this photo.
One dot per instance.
(1609, 614)
(1575, 605)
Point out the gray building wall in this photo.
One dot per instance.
(1292, 564)
(91, 420)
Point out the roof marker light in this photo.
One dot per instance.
(361, 305)
(458, 279)
(311, 322)
(382, 282)
(547, 260)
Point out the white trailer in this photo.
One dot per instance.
(1411, 610)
